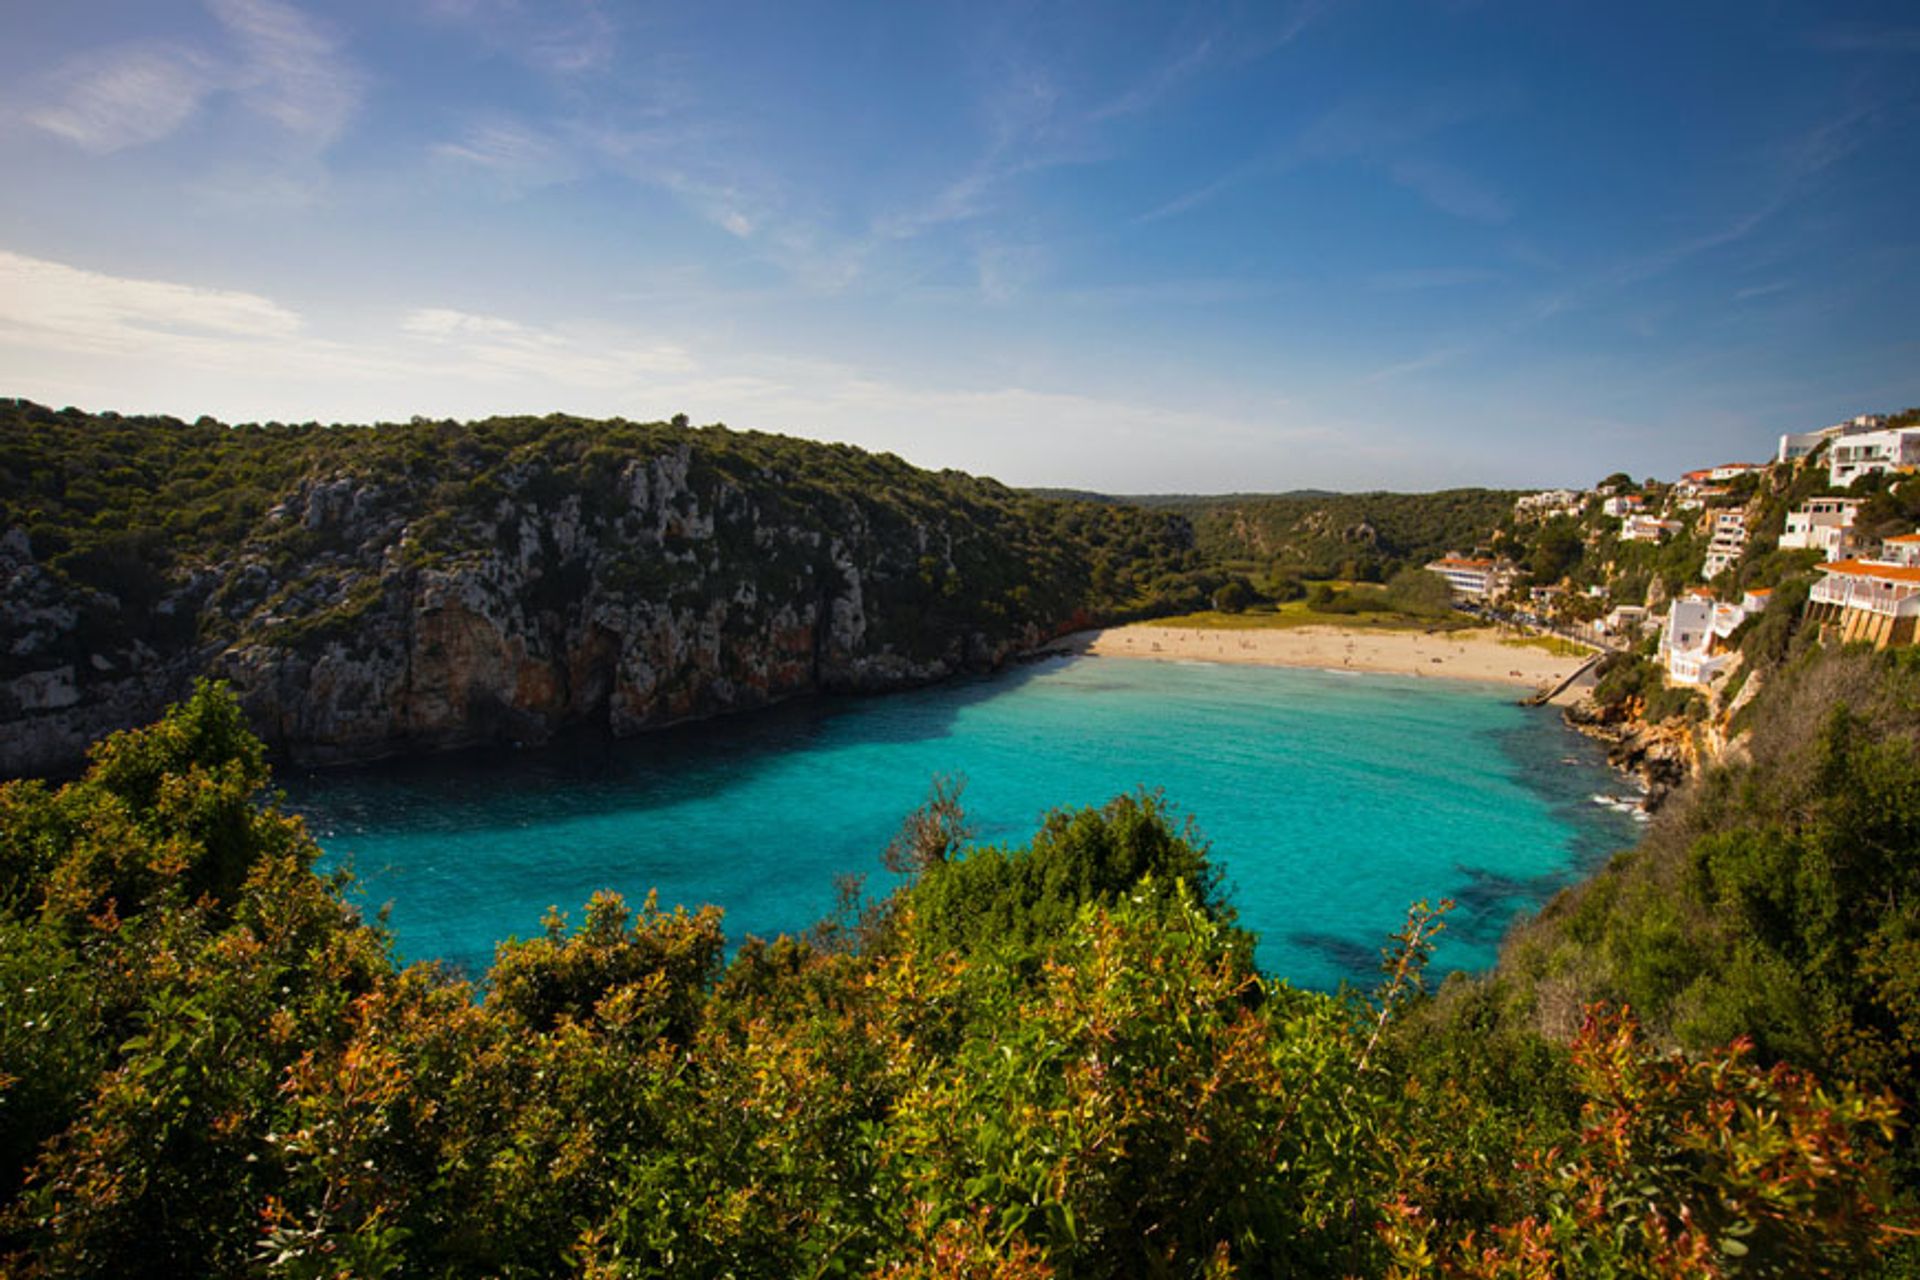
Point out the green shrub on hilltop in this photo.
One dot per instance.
(1354, 536)
(1052, 1061)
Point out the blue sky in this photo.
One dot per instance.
(1129, 247)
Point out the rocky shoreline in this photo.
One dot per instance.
(1659, 757)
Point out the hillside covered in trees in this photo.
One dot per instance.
(1355, 536)
(435, 584)
(1048, 1060)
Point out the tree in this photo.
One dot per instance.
(1556, 551)
(1234, 597)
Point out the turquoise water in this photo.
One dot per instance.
(1332, 801)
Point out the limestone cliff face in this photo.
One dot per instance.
(363, 620)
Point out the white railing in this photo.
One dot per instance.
(1887, 599)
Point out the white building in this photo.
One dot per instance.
(1475, 578)
(1728, 541)
(1647, 529)
(1732, 471)
(1691, 483)
(1621, 505)
(1548, 503)
(1693, 642)
(1903, 549)
(1823, 524)
(1687, 641)
(1873, 600)
(1870, 452)
(1625, 620)
(1799, 446)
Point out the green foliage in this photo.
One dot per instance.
(1556, 548)
(1627, 681)
(1017, 896)
(1416, 590)
(1234, 597)
(1767, 641)
(660, 967)
(1355, 537)
(1055, 1061)
(1776, 899)
(316, 535)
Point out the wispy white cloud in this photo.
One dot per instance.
(1419, 278)
(1375, 131)
(70, 335)
(44, 303)
(514, 154)
(1197, 291)
(1163, 80)
(1380, 127)
(698, 163)
(561, 37)
(124, 96)
(1224, 46)
(494, 349)
(291, 68)
(1206, 193)
(1798, 164)
(1761, 291)
(1007, 271)
(1024, 134)
(279, 63)
(1451, 191)
(1438, 358)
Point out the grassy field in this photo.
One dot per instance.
(1558, 646)
(1269, 617)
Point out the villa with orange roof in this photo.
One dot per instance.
(1474, 577)
(1873, 600)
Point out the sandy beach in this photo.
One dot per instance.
(1456, 655)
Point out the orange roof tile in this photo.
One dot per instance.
(1903, 537)
(1874, 569)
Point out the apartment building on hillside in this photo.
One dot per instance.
(1474, 578)
(1873, 600)
(1872, 452)
(1797, 446)
(1822, 524)
(1728, 539)
(1694, 643)
(1647, 529)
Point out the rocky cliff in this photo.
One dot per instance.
(434, 586)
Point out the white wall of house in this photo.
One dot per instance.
(1870, 452)
(1822, 524)
(1904, 550)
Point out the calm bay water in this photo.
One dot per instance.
(1332, 801)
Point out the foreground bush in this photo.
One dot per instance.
(1053, 1061)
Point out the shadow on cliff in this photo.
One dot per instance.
(586, 773)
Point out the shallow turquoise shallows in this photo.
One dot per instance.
(1331, 800)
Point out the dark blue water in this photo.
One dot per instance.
(1332, 801)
